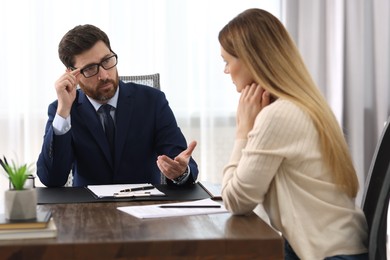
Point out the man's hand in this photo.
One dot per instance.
(252, 100)
(66, 91)
(176, 167)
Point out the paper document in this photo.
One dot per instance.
(197, 207)
(124, 190)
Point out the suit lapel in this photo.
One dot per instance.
(88, 115)
(123, 115)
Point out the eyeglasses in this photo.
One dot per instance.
(93, 69)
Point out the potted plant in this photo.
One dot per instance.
(20, 200)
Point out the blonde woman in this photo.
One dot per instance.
(290, 153)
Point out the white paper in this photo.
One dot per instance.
(102, 191)
(155, 211)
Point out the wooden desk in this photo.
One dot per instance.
(100, 231)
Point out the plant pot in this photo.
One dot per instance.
(20, 204)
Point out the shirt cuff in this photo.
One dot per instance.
(61, 125)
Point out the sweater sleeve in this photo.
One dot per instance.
(255, 162)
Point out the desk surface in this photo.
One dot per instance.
(100, 231)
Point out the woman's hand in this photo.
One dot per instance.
(253, 99)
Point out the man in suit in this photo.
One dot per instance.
(132, 141)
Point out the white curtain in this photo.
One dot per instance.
(175, 38)
(345, 44)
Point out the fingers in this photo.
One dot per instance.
(66, 91)
(246, 92)
(252, 93)
(170, 168)
(68, 81)
(266, 99)
(75, 72)
(68, 84)
(167, 164)
(190, 149)
(256, 93)
(163, 163)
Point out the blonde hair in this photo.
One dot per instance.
(262, 43)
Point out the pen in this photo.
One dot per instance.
(190, 206)
(138, 188)
(131, 195)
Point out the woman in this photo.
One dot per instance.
(289, 154)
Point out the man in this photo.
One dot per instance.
(130, 141)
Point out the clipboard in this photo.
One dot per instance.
(124, 190)
(214, 190)
(63, 195)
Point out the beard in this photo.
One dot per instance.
(103, 91)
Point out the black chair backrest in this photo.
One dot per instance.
(376, 197)
(152, 80)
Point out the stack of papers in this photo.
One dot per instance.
(125, 190)
(197, 207)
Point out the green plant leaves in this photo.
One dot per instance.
(17, 174)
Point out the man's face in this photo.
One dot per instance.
(102, 86)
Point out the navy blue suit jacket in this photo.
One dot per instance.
(145, 128)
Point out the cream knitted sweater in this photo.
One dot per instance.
(280, 165)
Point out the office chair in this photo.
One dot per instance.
(152, 80)
(376, 197)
